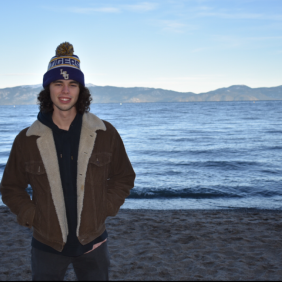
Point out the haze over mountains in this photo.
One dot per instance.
(24, 95)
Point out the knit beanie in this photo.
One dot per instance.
(65, 65)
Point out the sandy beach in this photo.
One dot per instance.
(170, 245)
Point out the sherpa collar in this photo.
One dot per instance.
(89, 121)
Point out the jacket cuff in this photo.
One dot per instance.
(25, 218)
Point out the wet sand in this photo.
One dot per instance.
(170, 245)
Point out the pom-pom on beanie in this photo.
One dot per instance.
(65, 65)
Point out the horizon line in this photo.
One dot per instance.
(93, 85)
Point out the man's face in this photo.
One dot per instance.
(64, 94)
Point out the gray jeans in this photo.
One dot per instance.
(93, 266)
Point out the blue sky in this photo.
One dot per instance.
(183, 45)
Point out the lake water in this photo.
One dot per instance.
(208, 155)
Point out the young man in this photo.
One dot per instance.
(79, 172)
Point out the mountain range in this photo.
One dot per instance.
(24, 95)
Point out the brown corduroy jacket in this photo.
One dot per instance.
(104, 179)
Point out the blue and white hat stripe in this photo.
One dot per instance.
(71, 61)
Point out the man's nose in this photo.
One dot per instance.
(65, 89)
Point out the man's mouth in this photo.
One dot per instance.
(64, 100)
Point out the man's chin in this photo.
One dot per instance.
(64, 109)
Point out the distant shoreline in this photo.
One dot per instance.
(27, 95)
(249, 101)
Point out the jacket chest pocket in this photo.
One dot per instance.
(100, 159)
(97, 176)
(35, 168)
(37, 176)
(98, 168)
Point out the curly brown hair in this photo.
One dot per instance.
(82, 104)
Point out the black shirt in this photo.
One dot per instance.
(67, 143)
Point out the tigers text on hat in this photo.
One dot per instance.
(65, 65)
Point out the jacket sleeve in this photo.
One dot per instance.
(13, 187)
(121, 178)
